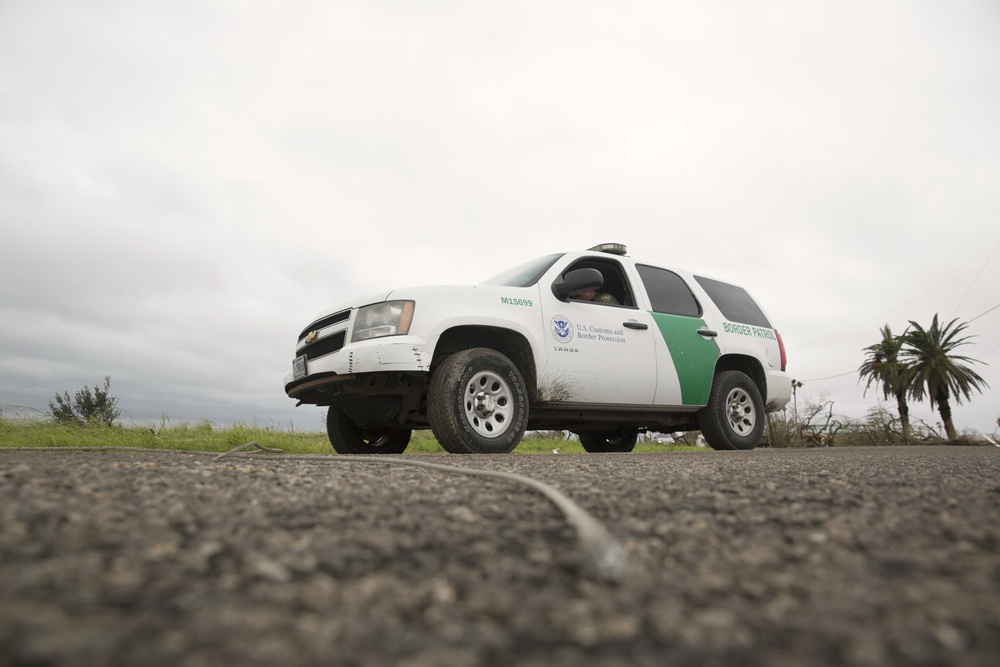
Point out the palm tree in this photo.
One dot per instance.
(882, 366)
(935, 371)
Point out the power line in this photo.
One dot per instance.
(830, 377)
(973, 283)
(981, 314)
(877, 317)
(978, 272)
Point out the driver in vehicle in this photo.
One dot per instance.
(592, 295)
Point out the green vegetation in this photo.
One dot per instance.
(917, 364)
(208, 437)
(88, 406)
(882, 366)
(923, 363)
(935, 371)
(817, 425)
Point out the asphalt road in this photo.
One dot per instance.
(884, 556)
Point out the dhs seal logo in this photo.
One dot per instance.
(561, 328)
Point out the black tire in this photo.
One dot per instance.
(349, 438)
(476, 403)
(619, 440)
(734, 416)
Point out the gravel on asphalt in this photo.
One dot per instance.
(873, 556)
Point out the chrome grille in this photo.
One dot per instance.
(327, 321)
(324, 346)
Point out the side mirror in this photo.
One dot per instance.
(578, 280)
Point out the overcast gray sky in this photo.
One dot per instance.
(184, 185)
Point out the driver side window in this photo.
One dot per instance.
(616, 290)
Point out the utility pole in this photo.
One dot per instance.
(795, 399)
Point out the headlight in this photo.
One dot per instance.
(389, 318)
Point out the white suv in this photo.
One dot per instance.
(592, 342)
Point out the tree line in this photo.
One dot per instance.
(922, 363)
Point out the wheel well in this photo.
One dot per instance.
(509, 343)
(746, 365)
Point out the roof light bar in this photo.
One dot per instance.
(610, 248)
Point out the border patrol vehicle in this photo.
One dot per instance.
(592, 342)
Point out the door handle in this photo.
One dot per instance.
(632, 324)
(707, 332)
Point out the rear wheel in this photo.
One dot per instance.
(734, 416)
(476, 403)
(349, 438)
(619, 440)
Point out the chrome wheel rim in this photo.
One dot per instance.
(488, 404)
(740, 412)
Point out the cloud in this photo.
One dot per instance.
(183, 186)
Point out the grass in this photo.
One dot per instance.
(208, 437)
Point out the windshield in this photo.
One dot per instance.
(524, 275)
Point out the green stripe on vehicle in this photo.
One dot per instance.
(694, 356)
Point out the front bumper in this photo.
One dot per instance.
(390, 355)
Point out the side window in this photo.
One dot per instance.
(734, 302)
(668, 293)
(616, 285)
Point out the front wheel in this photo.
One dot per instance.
(734, 416)
(476, 403)
(349, 438)
(619, 440)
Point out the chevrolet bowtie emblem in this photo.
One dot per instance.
(311, 336)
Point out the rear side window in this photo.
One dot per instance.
(668, 293)
(734, 302)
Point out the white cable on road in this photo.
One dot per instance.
(601, 548)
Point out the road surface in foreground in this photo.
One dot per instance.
(875, 556)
